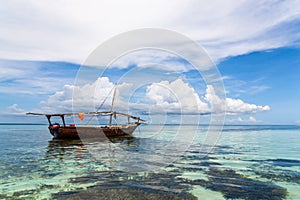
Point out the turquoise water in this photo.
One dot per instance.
(247, 162)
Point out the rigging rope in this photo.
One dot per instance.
(101, 104)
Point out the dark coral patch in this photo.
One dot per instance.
(236, 186)
(130, 186)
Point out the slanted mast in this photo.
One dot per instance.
(112, 106)
(65, 131)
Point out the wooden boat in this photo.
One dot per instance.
(64, 131)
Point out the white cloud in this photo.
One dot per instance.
(231, 106)
(14, 109)
(80, 98)
(214, 100)
(252, 119)
(47, 30)
(6, 74)
(26, 77)
(175, 97)
(161, 97)
(239, 106)
(249, 120)
(155, 59)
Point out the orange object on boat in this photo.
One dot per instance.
(81, 116)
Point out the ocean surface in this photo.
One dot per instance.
(159, 162)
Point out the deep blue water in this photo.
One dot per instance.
(159, 162)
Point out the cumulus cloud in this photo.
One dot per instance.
(15, 109)
(231, 106)
(252, 119)
(176, 96)
(80, 98)
(161, 97)
(248, 120)
(239, 106)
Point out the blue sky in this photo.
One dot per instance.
(267, 77)
(255, 46)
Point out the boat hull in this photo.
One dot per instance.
(92, 132)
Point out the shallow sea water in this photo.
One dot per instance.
(247, 162)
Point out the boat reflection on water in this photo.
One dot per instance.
(54, 143)
(86, 148)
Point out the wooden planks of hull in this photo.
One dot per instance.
(91, 132)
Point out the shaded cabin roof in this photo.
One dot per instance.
(87, 113)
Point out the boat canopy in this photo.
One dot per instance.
(87, 113)
(110, 113)
(103, 113)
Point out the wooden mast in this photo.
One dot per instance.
(111, 108)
